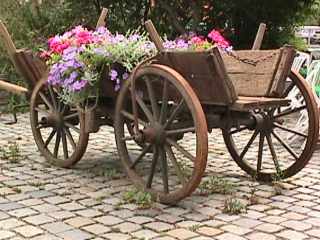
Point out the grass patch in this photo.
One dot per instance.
(216, 185)
(234, 206)
(11, 152)
(142, 199)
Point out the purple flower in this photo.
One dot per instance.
(169, 44)
(134, 37)
(78, 85)
(125, 76)
(113, 74)
(181, 44)
(101, 52)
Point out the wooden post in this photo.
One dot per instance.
(101, 22)
(154, 35)
(259, 37)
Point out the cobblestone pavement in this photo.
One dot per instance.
(38, 201)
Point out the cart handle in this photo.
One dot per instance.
(102, 19)
(259, 37)
(154, 35)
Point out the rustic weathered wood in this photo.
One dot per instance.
(102, 19)
(155, 37)
(246, 103)
(205, 72)
(8, 43)
(283, 70)
(259, 37)
(12, 88)
(248, 79)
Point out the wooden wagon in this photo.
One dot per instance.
(164, 111)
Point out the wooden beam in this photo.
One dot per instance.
(259, 37)
(13, 88)
(8, 43)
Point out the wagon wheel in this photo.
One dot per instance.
(169, 169)
(279, 149)
(58, 129)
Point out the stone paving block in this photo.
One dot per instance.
(247, 222)
(40, 194)
(260, 236)
(229, 236)
(72, 206)
(89, 213)
(208, 231)
(169, 218)
(236, 229)
(47, 236)
(61, 215)
(75, 234)
(46, 208)
(3, 215)
(79, 221)
(6, 234)
(10, 223)
(56, 200)
(126, 227)
(118, 236)
(159, 226)
(181, 233)
(226, 217)
(294, 216)
(140, 219)
(22, 212)
(290, 234)
(145, 234)
(188, 224)
(314, 233)
(56, 227)
(269, 227)
(28, 231)
(39, 219)
(124, 213)
(10, 206)
(31, 202)
(109, 220)
(97, 229)
(297, 225)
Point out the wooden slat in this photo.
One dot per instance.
(283, 70)
(259, 37)
(250, 80)
(244, 103)
(102, 19)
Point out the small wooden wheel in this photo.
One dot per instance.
(276, 148)
(58, 129)
(161, 107)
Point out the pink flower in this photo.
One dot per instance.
(218, 39)
(197, 40)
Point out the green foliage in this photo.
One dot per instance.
(234, 206)
(142, 199)
(216, 184)
(11, 152)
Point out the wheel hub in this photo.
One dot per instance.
(53, 120)
(264, 122)
(154, 134)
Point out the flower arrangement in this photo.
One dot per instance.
(78, 57)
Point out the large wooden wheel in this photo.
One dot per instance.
(277, 148)
(58, 129)
(161, 107)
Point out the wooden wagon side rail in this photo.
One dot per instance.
(12, 88)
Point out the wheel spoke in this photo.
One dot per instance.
(238, 130)
(175, 164)
(164, 170)
(46, 101)
(69, 125)
(145, 109)
(181, 149)
(53, 98)
(153, 99)
(131, 117)
(260, 152)
(174, 113)
(285, 145)
(72, 115)
(142, 154)
(153, 166)
(273, 153)
(57, 144)
(53, 132)
(290, 130)
(64, 145)
(70, 138)
(179, 131)
(246, 148)
(290, 111)
(164, 105)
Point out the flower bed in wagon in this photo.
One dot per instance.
(80, 58)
